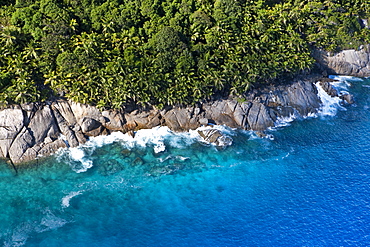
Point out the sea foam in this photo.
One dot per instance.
(50, 222)
(285, 121)
(21, 233)
(330, 105)
(67, 198)
(345, 78)
(156, 138)
(82, 162)
(159, 138)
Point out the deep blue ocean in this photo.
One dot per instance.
(306, 184)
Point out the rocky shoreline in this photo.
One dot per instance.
(35, 130)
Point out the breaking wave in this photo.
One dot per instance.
(285, 121)
(160, 138)
(157, 139)
(330, 105)
(345, 79)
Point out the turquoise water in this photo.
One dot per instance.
(308, 184)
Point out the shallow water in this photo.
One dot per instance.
(309, 185)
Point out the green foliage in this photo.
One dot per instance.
(164, 52)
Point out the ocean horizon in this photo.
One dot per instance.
(306, 183)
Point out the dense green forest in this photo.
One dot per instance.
(164, 52)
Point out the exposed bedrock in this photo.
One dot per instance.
(33, 130)
(215, 136)
(347, 62)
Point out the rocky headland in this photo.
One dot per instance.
(35, 130)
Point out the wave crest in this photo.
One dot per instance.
(330, 105)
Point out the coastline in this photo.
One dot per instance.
(34, 130)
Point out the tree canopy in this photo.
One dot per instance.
(164, 52)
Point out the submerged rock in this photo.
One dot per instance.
(126, 152)
(110, 167)
(165, 170)
(137, 162)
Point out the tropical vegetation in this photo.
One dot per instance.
(164, 52)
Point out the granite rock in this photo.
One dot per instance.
(347, 62)
(216, 137)
(11, 123)
(30, 131)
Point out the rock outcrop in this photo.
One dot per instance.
(33, 130)
(215, 136)
(347, 62)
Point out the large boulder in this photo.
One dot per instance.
(20, 145)
(91, 127)
(81, 110)
(65, 111)
(89, 124)
(87, 120)
(66, 131)
(258, 117)
(182, 118)
(140, 119)
(216, 137)
(303, 97)
(172, 121)
(348, 62)
(11, 123)
(240, 114)
(113, 120)
(48, 148)
(221, 112)
(43, 124)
